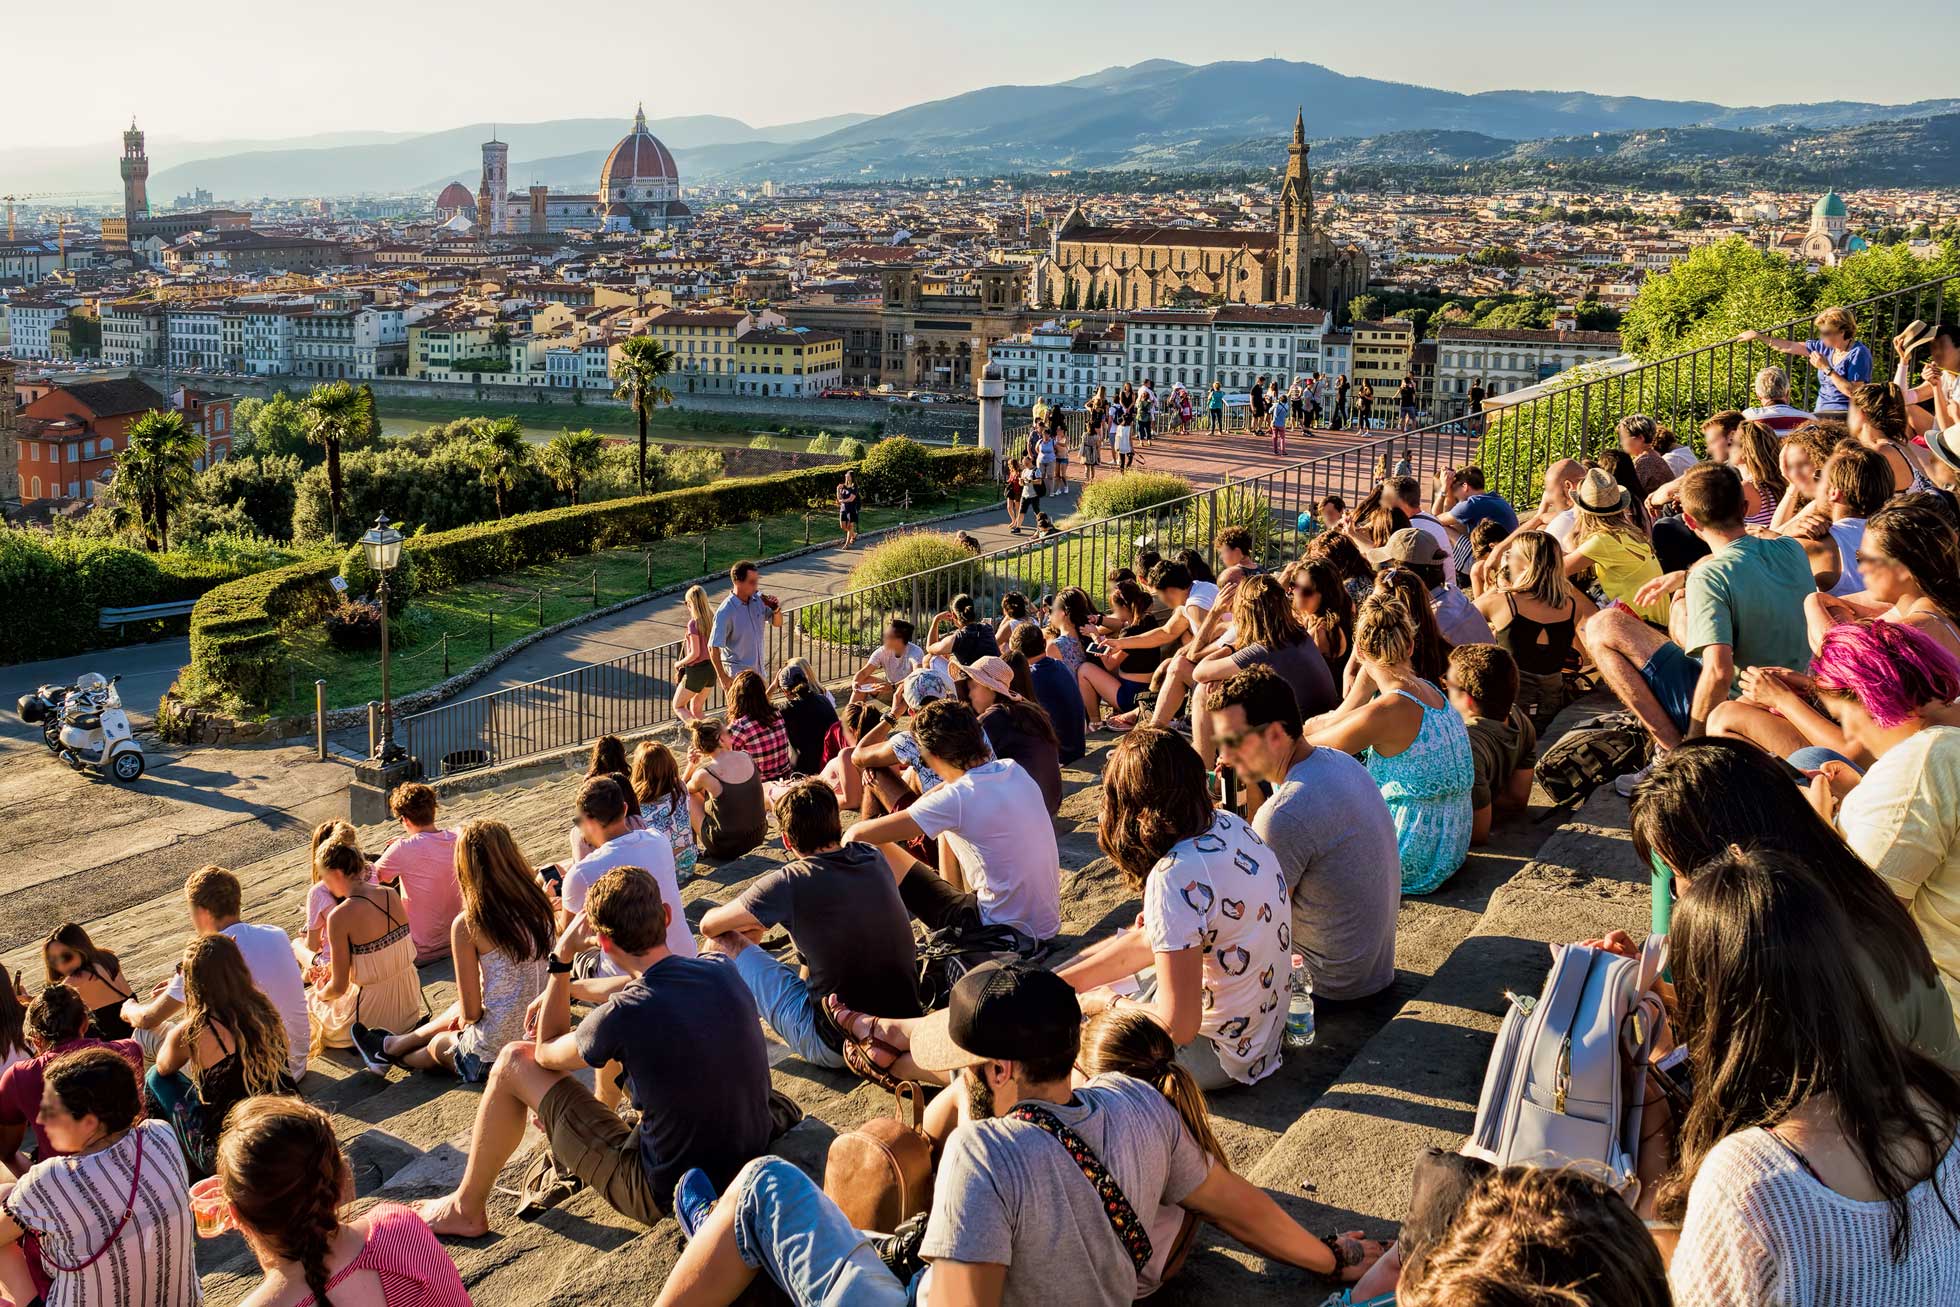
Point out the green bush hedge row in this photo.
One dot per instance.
(235, 647)
(53, 588)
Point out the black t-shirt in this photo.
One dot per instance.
(973, 642)
(1142, 662)
(807, 718)
(687, 1032)
(1037, 756)
(843, 911)
(1302, 668)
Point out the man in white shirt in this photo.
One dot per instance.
(1772, 407)
(890, 663)
(214, 898)
(601, 817)
(1406, 492)
(995, 823)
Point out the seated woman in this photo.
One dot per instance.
(311, 948)
(371, 978)
(500, 942)
(846, 781)
(970, 636)
(112, 1214)
(1216, 922)
(1818, 1156)
(1340, 552)
(807, 716)
(71, 958)
(1069, 624)
(1266, 633)
(1015, 724)
(1536, 613)
(1910, 558)
(1606, 540)
(1676, 829)
(284, 1181)
(724, 794)
(1877, 419)
(1122, 669)
(657, 785)
(13, 1022)
(230, 1046)
(755, 726)
(1413, 744)
(1323, 605)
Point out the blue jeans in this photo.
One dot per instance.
(787, 1005)
(170, 1091)
(1811, 757)
(788, 1228)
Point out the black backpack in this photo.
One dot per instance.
(1591, 754)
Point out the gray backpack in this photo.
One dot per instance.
(1568, 1075)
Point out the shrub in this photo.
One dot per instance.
(353, 626)
(821, 445)
(264, 489)
(1127, 492)
(894, 466)
(1236, 505)
(850, 447)
(362, 581)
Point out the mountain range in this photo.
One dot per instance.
(1159, 115)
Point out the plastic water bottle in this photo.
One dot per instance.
(1299, 1007)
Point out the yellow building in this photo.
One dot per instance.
(796, 362)
(1381, 356)
(436, 345)
(703, 341)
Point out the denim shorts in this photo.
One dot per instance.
(1672, 676)
(470, 1068)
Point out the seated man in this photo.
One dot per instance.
(889, 758)
(423, 862)
(1461, 501)
(845, 917)
(889, 664)
(1483, 688)
(214, 896)
(685, 1030)
(1456, 616)
(992, 815)
(1056, 691)
(1330, 827)
(1016, 1218)
(601, 819)
(1742, 607)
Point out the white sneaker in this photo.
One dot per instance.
(1628, 783)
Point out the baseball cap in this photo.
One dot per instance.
(1414, 546)
(1009, 1011)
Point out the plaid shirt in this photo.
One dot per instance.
(767, 746)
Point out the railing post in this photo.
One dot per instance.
(445, 655)
(320, 720)
(541, 608)
(493, 627)
(374, 726)
(595, 589)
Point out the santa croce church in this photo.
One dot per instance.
(1135, 267)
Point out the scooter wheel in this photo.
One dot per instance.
(126, 767)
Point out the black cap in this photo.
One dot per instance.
(1006, 1011)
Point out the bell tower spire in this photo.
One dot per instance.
(1293, 273)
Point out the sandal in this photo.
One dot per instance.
(860, 1051)
(859, 1062)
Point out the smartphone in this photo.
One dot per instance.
(1096, 648)
(553, 875)
(1673, 1075)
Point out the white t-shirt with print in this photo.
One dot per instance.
(1225, 892)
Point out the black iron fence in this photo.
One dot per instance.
(1514, 439)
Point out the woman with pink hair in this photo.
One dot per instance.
(1891, 687)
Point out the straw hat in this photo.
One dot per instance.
(1600, 493)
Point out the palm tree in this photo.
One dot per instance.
(337, 413)
(642, 362)
(572, 458)
(155, 470)
(501, 454)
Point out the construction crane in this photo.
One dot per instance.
(11, 200)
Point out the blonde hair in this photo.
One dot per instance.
(696, 600)
(1838, 320)
(329, 833)
(1586, 524)
(1535, 566)
(1385, 632)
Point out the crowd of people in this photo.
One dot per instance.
(1299, 743)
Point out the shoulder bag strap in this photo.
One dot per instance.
(1122, 1217)
(129, 1209)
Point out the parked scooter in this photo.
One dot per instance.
(95, 730)
(43, 709)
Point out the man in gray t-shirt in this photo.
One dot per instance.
(1016, 1219)
(1330, 827)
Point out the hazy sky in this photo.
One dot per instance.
(270, 68)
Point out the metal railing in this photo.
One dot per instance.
(1513, 440)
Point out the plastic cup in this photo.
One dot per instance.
(209, 1209)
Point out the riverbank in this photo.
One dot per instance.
(401, 416)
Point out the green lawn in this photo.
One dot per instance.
(509, 603)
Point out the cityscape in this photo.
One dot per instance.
(806, 564)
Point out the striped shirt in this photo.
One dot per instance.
(767, 746)
(413, 1269)
(74, 1203)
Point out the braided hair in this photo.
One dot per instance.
(283, 1175)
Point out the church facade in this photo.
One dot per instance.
(1135, 267)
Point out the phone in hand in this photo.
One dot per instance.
(1097, 649)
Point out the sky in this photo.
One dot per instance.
(278, 68)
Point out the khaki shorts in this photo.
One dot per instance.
(590, 1140)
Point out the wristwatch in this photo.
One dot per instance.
(553, 967)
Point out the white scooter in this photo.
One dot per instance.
(95, 730)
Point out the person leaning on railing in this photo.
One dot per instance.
(1838, 357)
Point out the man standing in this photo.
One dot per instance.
(1340, 402)
(1475, 411)
(847, 507)
(1215, 409)
(1329, 825)
(844, 916)
(214, 897)
(1405, 398)
(1147, 409)
(684, 1029)
(736, 645)
(1744, 608)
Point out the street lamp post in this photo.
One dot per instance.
(383, 546)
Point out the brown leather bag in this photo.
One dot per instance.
(881, 1172)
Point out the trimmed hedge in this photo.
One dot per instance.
(1127, 492)
(235, 629)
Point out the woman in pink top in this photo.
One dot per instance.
(424, 863)
(284, 1181)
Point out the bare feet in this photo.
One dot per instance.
(445, 1215)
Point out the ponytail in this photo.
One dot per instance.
(1131, 1042)
(282, 1172)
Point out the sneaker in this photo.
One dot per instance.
(694, 1198)
(1627, 784)
(368, 1042)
